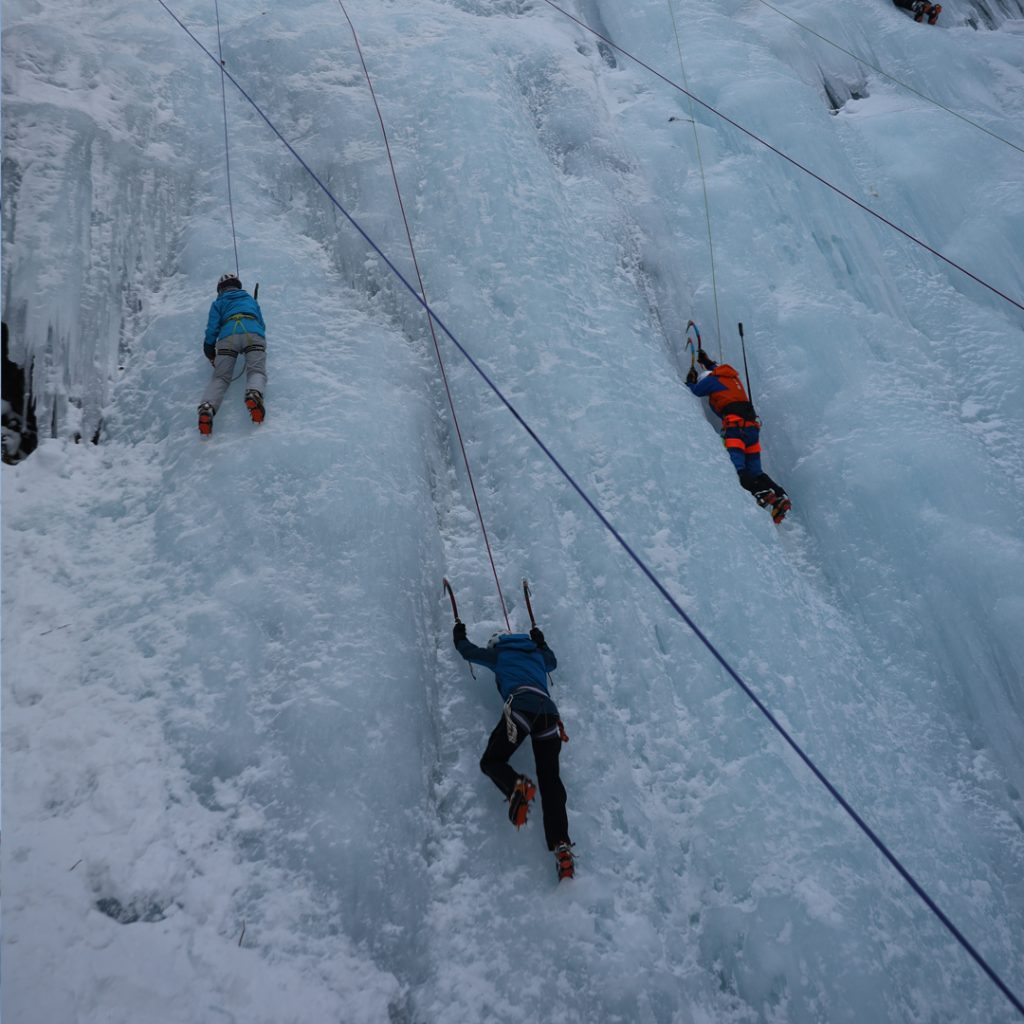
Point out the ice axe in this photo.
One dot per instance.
(455, 613)
(690, 345)
(529, 608)
(746, 374)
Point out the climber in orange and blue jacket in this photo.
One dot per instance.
(741, 430)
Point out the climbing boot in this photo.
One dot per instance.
(933, 14)
(779, 509)
(564, 861)
(206, 418)
(254, 403)
(777, 504)
(519, 801)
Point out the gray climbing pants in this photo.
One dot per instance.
(254, 348)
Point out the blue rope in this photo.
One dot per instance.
(777, 725)
(227, 154)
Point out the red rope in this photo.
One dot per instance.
(430, 319)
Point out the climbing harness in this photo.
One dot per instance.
(510, 726)
(256, 347)
(512, 717)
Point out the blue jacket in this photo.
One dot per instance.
(520, 668)
(720, 385)
(234, 302)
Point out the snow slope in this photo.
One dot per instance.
(240, 753)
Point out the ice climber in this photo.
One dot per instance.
(520, 664)
(235, 327)
(741, 430)
(921, 10)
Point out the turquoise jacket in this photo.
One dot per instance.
(233, 311)
(520, 670)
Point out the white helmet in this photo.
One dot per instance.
(228, 281)
(495, 637)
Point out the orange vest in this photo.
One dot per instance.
(732, 390)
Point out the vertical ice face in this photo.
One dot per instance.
(230, 697)
(99, 163)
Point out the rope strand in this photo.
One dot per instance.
(430, 322)
(659, 586)
(892, 78)
(778, 152)
(227, 153)
(703, 179)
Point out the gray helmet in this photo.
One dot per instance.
(228, 281)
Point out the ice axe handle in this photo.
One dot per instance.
(451, 597)
(529, 607)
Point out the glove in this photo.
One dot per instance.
(691, 377)
(537, 637)
(210, 352)
(458, 633)
(705, 360)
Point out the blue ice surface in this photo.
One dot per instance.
(298, 668)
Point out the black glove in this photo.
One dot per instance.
(691, 377)
(537, 637)
(210, 351)
(459, 633)
(705, 360)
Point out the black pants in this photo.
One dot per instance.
(759, 482)
(494, 764)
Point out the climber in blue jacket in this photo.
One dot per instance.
(234, 327)
(521, 664)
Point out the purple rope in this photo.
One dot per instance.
(776, 724)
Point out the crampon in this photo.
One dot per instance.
(564, 861)
(519, 801)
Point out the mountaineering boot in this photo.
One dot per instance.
(780, 508)
(933, 14)
(519, 801)
(205, 418)
(254, 403)
(920, 9)
(564, 861)
(777, 504)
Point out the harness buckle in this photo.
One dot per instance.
(511, 730)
